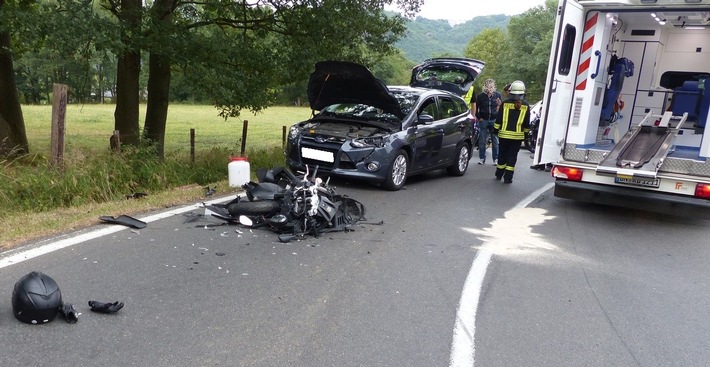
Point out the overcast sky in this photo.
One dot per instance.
(459, 11)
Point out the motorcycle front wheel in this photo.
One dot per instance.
(529, 141)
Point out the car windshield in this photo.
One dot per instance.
(406, 99)
(358, 111)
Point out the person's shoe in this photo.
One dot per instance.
(482, 161)
(495, 162)
(498, 178)
(507, 181)
(548, 167)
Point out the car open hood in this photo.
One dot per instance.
(346, 82)
(444, 73)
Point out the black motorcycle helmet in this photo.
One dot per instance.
(36, 298)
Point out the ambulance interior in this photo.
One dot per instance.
(652, 91)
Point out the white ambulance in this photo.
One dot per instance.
(626, 104)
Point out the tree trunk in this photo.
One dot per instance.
(156, 115)
(127, 111)
(13, 138)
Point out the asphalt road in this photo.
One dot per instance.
(567, 284)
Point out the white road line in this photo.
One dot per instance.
(463, 347)
(13, 257)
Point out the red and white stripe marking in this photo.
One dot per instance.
(586, 54)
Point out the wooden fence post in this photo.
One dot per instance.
(59, 114)
(244, 137)
(283, 136)
(115, 142)
(192, 145)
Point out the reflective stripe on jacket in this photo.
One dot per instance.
(513, 123)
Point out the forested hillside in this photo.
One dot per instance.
(430, 38)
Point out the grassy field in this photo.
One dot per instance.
(38, 201)
(88, 127)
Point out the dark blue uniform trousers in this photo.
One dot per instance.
(507, 157)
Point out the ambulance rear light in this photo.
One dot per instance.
(702, 191)
(567, 173)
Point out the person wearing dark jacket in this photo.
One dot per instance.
(487, 103)
(512, 123)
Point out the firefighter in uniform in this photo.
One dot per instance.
(512, 123)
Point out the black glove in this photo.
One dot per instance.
(69, 312)
(495, 132)
(97, 306)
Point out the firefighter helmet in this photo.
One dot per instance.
(517, 87)
(36, 298)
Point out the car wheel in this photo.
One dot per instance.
(463, 155)
(397, 173)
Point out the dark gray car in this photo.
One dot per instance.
(365, 130)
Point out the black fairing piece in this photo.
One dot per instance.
(262, 190)
(124, 220)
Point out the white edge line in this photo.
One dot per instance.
(58, 245)
(463, 347)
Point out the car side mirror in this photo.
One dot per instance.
(425, 119)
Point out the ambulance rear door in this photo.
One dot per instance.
(560, 84)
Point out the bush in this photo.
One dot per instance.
(29, 184)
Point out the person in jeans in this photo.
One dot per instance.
(487, 104)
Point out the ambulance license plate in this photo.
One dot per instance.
(635, 181)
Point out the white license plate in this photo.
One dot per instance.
(319, 155)
(645, 182)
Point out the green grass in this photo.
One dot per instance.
(88, 127)
(36, 199)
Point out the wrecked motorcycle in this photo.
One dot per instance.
(292, 206)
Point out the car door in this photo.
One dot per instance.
(429, 135)
(452, 124)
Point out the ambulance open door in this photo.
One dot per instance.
(560, 84)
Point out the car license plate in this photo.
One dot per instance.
(319, 155)
(645, 182)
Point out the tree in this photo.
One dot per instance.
(530, 41)
(237, 54)
(13, 138)
(489, 46)
(46, 42)
(243, 52)
(127, 114)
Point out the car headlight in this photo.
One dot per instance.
(294, 132)
(371, 142)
